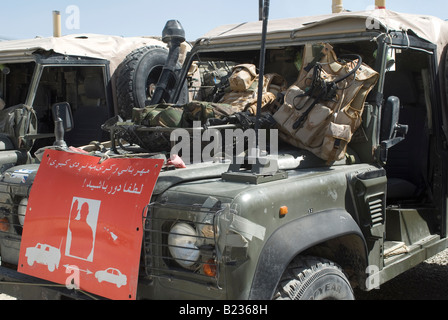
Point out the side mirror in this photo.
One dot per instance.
(389, 118)
(62, 112)
(391, 131)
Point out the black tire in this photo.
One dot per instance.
(137, 77)
(311, 278)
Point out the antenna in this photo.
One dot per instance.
(265, 17)
(56, 24)
(380, 4)
(337, 6)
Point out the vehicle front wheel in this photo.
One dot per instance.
(312, 278)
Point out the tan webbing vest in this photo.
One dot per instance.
(244, 89)
(323, 120)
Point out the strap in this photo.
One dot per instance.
(301, 120)
(319, 90)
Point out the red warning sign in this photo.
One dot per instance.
(84, 220)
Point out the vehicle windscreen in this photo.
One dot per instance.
(15, 81)
(209, 72)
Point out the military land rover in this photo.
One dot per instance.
(300, 222)
(82, 70)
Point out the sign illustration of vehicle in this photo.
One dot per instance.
(44, 254)
(111, 275)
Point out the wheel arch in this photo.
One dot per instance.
(331, 234)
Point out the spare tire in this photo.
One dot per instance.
(137, 77)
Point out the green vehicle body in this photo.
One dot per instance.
(348, 213)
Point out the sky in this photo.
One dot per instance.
(24, 19)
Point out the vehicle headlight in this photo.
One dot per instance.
(182, 244)
(21, 210)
